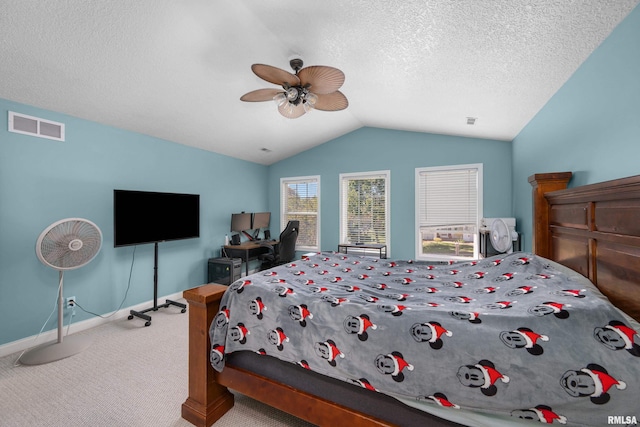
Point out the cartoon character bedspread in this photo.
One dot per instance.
(514, 335)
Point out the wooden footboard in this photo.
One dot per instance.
(207, 401)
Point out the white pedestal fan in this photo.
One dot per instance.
(65, 245)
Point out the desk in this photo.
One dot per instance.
(248, 251)
(382, 249)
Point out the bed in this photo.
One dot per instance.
(594, 230)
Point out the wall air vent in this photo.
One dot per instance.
(34, 126)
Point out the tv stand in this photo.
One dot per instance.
(156, 307)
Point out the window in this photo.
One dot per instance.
(364, 207)
(448, 211)
(300, 200)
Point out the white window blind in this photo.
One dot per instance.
(364, 207)
(448, 210)
(448, 197)
(300, 200)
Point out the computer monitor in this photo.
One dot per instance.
(261, 220)
(240, 222)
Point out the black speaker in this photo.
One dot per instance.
(267, 234)
(235, 239)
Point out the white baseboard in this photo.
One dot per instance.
(25, 343)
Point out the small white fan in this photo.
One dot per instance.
(65, 245)
(501, 237)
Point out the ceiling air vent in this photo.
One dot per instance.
(34, 126)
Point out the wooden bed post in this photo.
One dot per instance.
(543, 183)
(207, 401)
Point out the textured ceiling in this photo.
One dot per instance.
(176, 69)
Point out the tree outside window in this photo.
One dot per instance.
(300, 201)
(364, 208)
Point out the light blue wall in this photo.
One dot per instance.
(590, 127)
(371, 149)
(42, 181)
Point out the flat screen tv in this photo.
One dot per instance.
(240, 222)
(261, 220)
(149, 217)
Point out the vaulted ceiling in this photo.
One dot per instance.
(176, 69)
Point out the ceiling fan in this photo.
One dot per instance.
(314, 87)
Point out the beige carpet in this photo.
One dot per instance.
(131, 375)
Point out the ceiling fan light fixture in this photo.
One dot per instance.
(307, 107)
(287, 108)
(309, 100)
(280, 99)
(295, 98)
(293, 95)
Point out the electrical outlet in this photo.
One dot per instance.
(71, 302)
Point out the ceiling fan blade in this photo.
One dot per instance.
(291, 111)
(260, 95)
(275, 75)
(331, 101)
(322, 79)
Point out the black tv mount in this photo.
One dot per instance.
(156, 307)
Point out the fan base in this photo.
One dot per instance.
(50, 352)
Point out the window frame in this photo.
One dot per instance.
(284, 182)
(386, 174)
(418, 203)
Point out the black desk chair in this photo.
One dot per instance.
(285, 250)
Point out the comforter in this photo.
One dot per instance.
(513, 335)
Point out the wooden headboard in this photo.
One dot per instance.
(593, 229)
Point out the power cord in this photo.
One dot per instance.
(71, 314)
(55, 306)
(133, 257)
